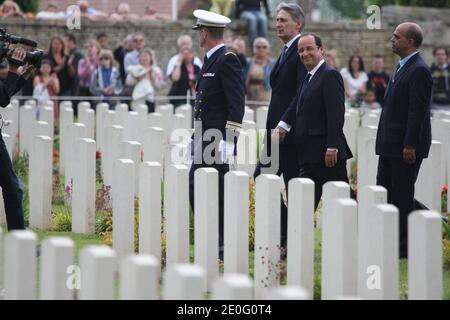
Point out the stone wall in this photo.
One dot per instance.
(346, 37)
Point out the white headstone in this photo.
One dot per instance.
(20, 265)
(75, 132)
(368, 197)
(27, 119)
(233, 287)
(425, 256)
(289, 293)
(155, 119)
(428, 185)
(381, 280)
(207, 223)
(150, 177)
(98, 266)
(153, 145)
(339, 249)
(40, 182)
(267, 234)
(236, 222)
(184, 282)
(176, 214)
(132, 150)
(84, 187)
(112, 151)
(300, 259)
(123, 207)
(365, 175)
(65, 120)
(101, 111)
(131, 127)
(139, 278)
(56, 260)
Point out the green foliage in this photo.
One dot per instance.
(353, 9)
(61, 218)
(28, 5)
(415, 3)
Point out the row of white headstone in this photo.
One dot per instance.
(359, 245)
(99, 267)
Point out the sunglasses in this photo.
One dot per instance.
(261, 47)
(105, 58)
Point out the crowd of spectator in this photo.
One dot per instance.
(131, 71)
(53, 11)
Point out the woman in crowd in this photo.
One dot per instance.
(59, 61)
(87, 67)
(257, 72)
(146, 78)
(105, 81)
(10, 9)
(184, 76)
(355, 79)
(46, 86)
(331, 58)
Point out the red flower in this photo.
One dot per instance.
(55, 159)
(98, 155)
(444, 188)
(55, 152)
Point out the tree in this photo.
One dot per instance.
(353, 9)
(28, 5)
(417, 3)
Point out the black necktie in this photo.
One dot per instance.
(283, 53)
(303, 90)
(305, 85)
(205, 59)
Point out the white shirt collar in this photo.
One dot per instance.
(313, 71)
(289, 44)
(211, 52)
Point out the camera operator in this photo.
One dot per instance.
(12, 193)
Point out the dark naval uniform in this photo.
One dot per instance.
(219, 105)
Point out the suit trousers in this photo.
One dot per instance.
(399, 178)
(321, 174)
(12, 193)
(222, 170)
(289, 168)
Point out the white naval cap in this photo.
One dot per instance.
(210, 19)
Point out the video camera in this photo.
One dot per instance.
(34, 58)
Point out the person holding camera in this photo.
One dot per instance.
(12, 193)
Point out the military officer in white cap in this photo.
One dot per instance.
(219, 105)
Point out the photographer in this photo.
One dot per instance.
(12, 193)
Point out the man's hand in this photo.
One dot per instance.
(108, 91)
(28, 71)
(409, 155)
(279, 134)
(19, 55)
(331, 158)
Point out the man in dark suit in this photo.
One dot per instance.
(404, 131)
(285, 79)
(219, 106)
(317, 118)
